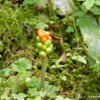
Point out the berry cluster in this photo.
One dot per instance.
(44, 43)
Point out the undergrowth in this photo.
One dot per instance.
(74, 67)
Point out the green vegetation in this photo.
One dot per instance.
(64, 66)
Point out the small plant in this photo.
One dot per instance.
(45, 48)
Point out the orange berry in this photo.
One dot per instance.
(50, 38)
(44, 39)
(39, 31)
(46, 34)
(40, 34)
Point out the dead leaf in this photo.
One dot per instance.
(63, 57)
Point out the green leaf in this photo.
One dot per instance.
(51, 89)
(70, 29)
(36, 2)
(74, 57)
(5, 72)
(20, 96)
(41, 25)
(32, 91)
(26, 74)
(21, 65)
(28, 2)
(63, 78)
(16, 88)
(5, 97)
(95, 10)
(89, 4)
(91, 34)
(59, 98)
(79, 13)
(37, 98)
(42, 2)
(34, 83)
(97, 2)
(81, 59)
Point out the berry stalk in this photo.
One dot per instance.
(43, 72)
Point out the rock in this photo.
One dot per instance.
(63, 6)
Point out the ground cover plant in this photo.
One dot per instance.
(47, 56)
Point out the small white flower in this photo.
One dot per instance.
(28, 79)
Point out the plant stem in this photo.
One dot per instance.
(76, 32)
(44, 67)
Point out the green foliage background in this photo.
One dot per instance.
(74, 66)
